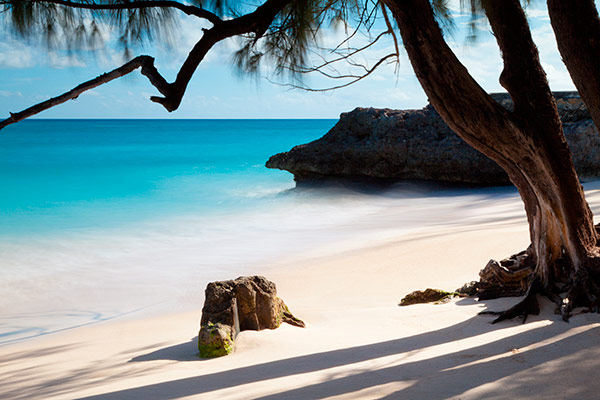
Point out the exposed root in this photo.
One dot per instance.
(510, 277)
(515, 277)
(528, 306)
(582, 292)
(554, 296)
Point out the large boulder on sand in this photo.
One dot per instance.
(390, 145)
(246, 303)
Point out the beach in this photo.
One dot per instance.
(358, 343)
(111, 230)
(121, 211)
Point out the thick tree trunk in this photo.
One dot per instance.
(577, 29)
(528, 143)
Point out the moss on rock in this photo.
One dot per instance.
(215, 340)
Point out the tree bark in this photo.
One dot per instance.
(527, 143)
(577, 29)
(256, 22)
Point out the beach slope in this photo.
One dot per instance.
(358, 343)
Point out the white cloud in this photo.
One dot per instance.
(558, 77)
(20, 54)
(15, 55)
(6, 93)
(457, 9)
(57, 60)
(540, 14)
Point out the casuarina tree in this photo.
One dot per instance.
(528, 143)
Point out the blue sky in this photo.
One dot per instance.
(30, 74)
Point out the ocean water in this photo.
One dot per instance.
(61, 175)
(100, 219)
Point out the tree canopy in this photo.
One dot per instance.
(282, 34)
(278, 32)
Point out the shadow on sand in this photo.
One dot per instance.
(180, 352)
(544, 367)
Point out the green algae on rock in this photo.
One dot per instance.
(246, 303)
(215, 340)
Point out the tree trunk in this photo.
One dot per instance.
(528, 144)
(577, 29)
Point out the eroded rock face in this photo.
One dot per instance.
(246, 303)
(392, 145)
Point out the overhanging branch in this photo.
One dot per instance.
(256, 22)
(132, 5)
(145, 62)
(355, 78)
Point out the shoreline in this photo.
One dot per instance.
(77, 278)
(358, 343)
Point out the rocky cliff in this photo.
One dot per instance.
(385, 144)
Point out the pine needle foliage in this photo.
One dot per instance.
(62, 25)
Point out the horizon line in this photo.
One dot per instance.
(172, 119)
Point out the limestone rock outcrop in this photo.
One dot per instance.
(392, 145)
(246, 303)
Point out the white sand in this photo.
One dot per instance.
(358, 343)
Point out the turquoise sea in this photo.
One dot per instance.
(106, 219)
(59, 175)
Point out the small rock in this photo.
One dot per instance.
(246, 303)
(427, 296)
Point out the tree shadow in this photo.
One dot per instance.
(23, 379)
(186, 351)
(451, 375)
(455, 372)
(19, 355)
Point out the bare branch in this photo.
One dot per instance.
(256, 22)
(141, 61)
(349, 37)
(344, 57)
(356, 77)
(132, 5)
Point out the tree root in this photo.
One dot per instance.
(528, 306)
(582, 292)
(515, 277)
(510, 277)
